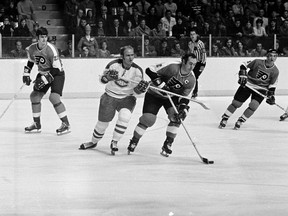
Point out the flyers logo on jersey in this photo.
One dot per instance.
(40, 60)
(261, 75)
(121, 83)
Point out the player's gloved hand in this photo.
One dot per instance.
(270, 97)
(141, 87)
(173, 82)
(182, 112)
(242, 77)
(26, 76)
(43, 80)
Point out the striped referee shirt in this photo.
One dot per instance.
(199, 50)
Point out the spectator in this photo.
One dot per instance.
(240, 50)
(142, 29)
(283, 31)
(228, 49)
(76, 21)
(70, 14)
(179, 30)
(168, 22)
(52, 40)
(135, 17)
(285, 51)
(6, 30)
(248, 16)
(230, 21)
(122, 17)
(18, 52)
(284, 16)
(106, 18)
(206, 30)
(22, 30)
(278, 48)
(158, 31)
(220, 30)
(116, 30)
(112, 6)
(176, 51)
(171, 6)
(258, 51)
(248, 34)
(159, 6)
(89, 42)
(215, 20)
(99, 31)
(237, 30)
(85, 53)
(128, 29)
(261, 16)
(215, 51)
(274, 16)
(90, 18)
(25, 10)
(259, 30)
(143, 7)
(80, 30)
(87, 5)
(68, 51)
(164, 50)
(272, 28)
(238, 9)
(11, 12)
(103, 52)
(252, 6)
(149, 50)
(152, 19)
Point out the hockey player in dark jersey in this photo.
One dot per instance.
(119, 96)
(50, 75)
(262, 75)
(176, 77)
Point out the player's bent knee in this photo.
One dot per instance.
(54, 98)
(124, 115)
(148, 119)
(253, 105)
(236, 103)
(36, 96)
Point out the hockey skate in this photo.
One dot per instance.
(63, 129)
(238, 124)
(223, 122)
(34, 128)
(166, 149)
(113, 147)
(87, 145)
(283, 117)
(131, 146)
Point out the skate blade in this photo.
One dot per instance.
(62, 133)
(164, 154)
(34, 131)
(128, 152)
(220, 127)
(82, 147)
(112, 153)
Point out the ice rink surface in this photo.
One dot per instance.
(46, 174)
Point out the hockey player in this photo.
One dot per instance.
(176, 77)
(50, 75)
(262, 75)
(118, 96)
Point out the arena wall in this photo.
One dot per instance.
(82, 76)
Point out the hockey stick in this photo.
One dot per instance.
(204, 160)
(264, 96)
(14, 97)
(171, 93)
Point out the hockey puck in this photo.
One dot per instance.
(211, 162)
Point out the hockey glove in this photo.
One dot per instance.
(141, 87)
(242, 77)
(43, 80)
(112, 75)
(270, 96)
(26, 76)
(182, 112)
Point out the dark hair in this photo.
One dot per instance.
(41, 31)
(185, 57)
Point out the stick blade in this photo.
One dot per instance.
(206, 161)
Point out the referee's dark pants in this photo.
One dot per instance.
(197, 73)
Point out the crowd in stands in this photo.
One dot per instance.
(240, 22)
